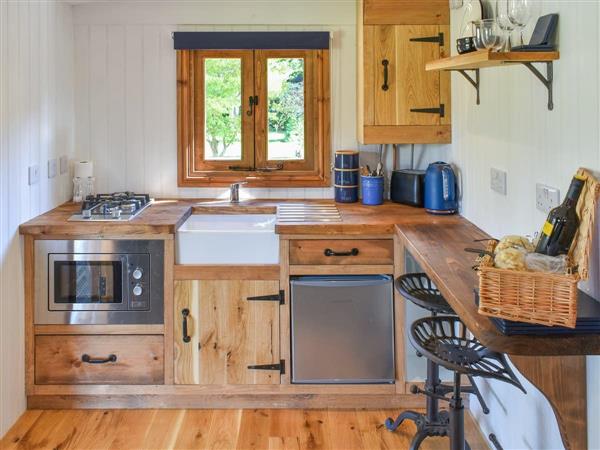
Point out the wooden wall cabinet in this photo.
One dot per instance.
(398, 101)
(221, 328)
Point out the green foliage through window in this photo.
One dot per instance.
(223, 100)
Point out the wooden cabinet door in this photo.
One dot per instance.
(226, 332)
(396, 83)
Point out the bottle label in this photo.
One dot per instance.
(547, 229)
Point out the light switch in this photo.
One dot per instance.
(498, 181)
(52, 168)
(34, 174)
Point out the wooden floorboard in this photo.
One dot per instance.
(247, 429)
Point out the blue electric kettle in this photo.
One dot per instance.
(440, 189)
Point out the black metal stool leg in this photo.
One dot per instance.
(431, 384)
(405, 415)
(418, 439)
(457, 418)
(475, 391)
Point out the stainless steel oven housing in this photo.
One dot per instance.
(140, 278)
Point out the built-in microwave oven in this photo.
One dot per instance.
(99, 281)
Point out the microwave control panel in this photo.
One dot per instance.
(138, 271)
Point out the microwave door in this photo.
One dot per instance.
(87, 282)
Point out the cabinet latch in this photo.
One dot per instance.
(439, 39)
(440, 110)
(280, 367)
(269, 298)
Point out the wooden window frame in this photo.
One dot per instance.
(194, 171)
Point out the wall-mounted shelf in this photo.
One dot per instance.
(485, 58)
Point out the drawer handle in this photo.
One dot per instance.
(185, 313)
(88, 359)
(329, 252)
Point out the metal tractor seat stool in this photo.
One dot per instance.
(419, 289)
(446, 341)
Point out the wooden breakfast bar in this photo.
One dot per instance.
(554, 364)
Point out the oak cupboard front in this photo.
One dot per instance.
(398, 101)
(224, 327)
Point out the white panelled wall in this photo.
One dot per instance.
(36, 124)
(126, 85)
(512, 130)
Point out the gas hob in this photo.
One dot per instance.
(116, 207)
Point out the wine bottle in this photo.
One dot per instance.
(561, 225)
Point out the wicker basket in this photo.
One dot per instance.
(536, 297)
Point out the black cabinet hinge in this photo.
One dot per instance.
(280, 366)
(441, 110)
(439, 39)
(269, 298)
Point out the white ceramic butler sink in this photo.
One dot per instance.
(228, 239)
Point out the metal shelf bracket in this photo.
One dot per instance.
(474, 82)
(546, 80)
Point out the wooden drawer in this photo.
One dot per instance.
(137, 359)
(342, 251)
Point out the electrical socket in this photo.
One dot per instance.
(546, 197)
(64, 164)
(498, 181)
(52, 168)
(34, 174)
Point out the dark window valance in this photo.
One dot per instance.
(267, 40)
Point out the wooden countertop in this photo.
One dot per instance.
(439, 251)
(161, 218)
(164, 217)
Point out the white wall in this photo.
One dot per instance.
(36, 123)
(512, 130)
(126, 88)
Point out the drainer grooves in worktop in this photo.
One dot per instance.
(304, 212)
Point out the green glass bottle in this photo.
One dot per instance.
(562, 223)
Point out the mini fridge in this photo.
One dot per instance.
(342, 329)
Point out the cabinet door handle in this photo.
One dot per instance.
(185, 313)
(329, 252)
(385, 63)
(88, 359)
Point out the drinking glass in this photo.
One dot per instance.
(504, 23)
(519, 13)
(489, 34)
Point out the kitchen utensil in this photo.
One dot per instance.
(440, 189)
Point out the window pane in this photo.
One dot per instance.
(285, 82)
(222, 106)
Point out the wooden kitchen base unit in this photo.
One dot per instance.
(93, 359)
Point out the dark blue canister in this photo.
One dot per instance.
(346, 159)
(345, 177)
(346, 194)
(372, 190)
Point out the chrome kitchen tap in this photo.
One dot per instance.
(234, 192)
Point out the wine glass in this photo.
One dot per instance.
(519, 13)
(504, 23)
